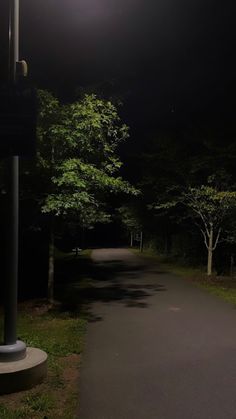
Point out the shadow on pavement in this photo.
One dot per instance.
(82, 282)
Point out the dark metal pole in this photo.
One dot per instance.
(13, 38)
(13, 349)
(10, 333)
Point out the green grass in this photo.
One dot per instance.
(223, 287)
(21, 412)
(60, 337)
(223, 291)
(39, 402)
(56, 335)
(61, 334)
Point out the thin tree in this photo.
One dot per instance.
(77, 159)
(209, 208)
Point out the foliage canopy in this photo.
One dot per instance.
(77, 153)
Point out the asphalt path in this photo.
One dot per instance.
(157, 347)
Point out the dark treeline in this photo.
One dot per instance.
(185, 169)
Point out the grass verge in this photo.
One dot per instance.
(221, 286)
(60, 333)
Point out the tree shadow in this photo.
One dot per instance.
(82, 282)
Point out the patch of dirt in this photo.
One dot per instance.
(224, 281)
(37, 307)
(63, 394)
(68, 395)
(13, 400)
(71, 371)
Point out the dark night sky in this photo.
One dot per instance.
(156, 52)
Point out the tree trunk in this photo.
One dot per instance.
(51, 261)
(209, 262)
(131, 239)
(141, 241)
(210, 253)
(232, 266)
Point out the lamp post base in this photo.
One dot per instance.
(11, 353)
(23, 374)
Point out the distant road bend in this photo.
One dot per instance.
(158, 348)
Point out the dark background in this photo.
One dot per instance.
(158, 56)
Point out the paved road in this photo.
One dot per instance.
(158, 348)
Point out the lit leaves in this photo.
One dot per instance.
(209, 204)
(77, 152)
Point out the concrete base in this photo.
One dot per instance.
(14, 352)
(24, 374)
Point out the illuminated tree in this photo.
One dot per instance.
(209, 208)
(77, 162)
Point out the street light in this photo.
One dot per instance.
(13, 349)
(20, 368)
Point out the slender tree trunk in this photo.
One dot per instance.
(51, 252)
(209, 262)
(232, 266)
(51, 263)
(131, 239)
(210, 253)
(141, 241)
(83, 239)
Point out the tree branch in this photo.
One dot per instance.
(203, 218)
(217, 239)
(205, 239)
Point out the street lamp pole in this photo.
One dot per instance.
(13, 193)
(14, 12)
(12, 349)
